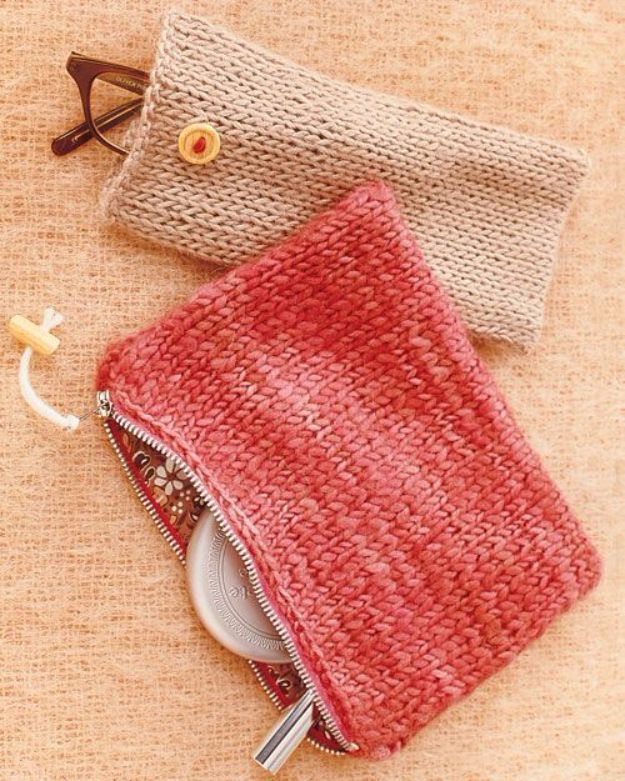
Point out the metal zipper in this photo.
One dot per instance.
(106, 411)
(276, 701)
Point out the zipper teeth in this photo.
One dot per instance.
(149, 440)
(144, 499)
(266, 688)
(276, 701)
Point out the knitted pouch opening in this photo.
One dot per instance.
(167, 492)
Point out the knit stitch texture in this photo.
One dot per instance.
(328, 397)
(487, 204)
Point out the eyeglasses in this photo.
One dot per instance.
(102, 85)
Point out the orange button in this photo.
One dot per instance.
(199, 143)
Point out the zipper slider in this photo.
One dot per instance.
(104, 406)
(286, 735)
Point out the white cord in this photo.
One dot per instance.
(51, 319)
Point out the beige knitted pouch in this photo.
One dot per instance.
(487, 204)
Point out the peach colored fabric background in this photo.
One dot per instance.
(104, 670)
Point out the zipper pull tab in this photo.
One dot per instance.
(104, 404)
(282, 740)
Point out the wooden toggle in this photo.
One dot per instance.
(32, 335)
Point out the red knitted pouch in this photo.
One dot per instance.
(405, 535)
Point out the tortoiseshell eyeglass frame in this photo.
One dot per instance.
(85, 71)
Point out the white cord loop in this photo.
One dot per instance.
(51, 319)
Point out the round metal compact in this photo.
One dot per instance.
(223, 598)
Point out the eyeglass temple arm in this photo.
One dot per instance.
(80, 134)
(124, 81)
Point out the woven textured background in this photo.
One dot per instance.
(104, 671)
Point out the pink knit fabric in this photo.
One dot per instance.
(328, 397)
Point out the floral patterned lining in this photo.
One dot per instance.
(168, 485)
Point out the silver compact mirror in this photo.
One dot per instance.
(223, 598)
